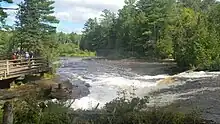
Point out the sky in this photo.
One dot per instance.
(72, 13)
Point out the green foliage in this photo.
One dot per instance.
(136, 30)
(68, 45)
(185, 30)
(1, 115)
(34, 30)
(165, 48)
(196, 41)
(4, 43)
(29, 110)
(72, 50)
(119, 111)
(185, 37)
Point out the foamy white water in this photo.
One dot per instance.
(107, 81)
(200, 74)
(106, 88)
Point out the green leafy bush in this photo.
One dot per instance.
(72, 50)
(119, 111)
(29, 110)
(1, 115)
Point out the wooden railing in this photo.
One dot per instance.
(19, 67)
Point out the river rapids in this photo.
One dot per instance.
(107, 78)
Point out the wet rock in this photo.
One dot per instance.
(84, 77)
(202, 94)
(87, 85)
(80, 89)
(60, 93)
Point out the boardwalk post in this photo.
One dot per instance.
(59, 86)
(7, 113)
(7, 66)
(5, 74)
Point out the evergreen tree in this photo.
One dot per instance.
(34, 25)
(186, 30)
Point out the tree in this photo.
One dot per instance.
(193, 4)
(34, 25)
(63, 38)
(91, 35)
(156, 14)
(75, 38)
(5, 37)
(186, 30)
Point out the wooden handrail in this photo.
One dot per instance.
(14, 60)
(20, 66)
(11, 60)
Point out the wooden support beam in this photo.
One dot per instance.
(7, 67)
(7, 113)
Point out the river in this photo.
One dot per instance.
(107, 78)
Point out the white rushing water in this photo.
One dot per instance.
(105, 85)
(106, 88)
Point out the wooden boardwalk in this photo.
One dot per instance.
(21, 67)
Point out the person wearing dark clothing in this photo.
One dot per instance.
(31, 57)
(31, 54)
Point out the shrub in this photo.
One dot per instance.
(72, 50)
(119, 111)
(29, 110)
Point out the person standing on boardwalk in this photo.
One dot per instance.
(27, 55)
(14, 56)
(31, 57)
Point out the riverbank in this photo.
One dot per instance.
(47, 89)
(41, 86)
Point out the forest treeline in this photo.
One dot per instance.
(185, 30)
(35, 30)
(65, 45)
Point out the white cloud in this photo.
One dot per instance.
(11, 13)
(81, 10)
(78, 11)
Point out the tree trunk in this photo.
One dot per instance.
(7, 113)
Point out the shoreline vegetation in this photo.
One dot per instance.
(185, 30)
(73, 50)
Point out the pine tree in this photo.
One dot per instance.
(33, 25)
